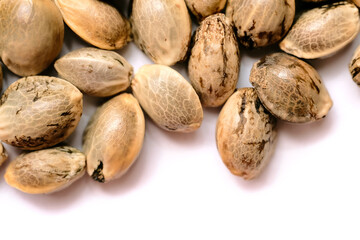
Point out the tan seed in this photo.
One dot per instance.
(204, 8)
(355, 66)
(3, 154)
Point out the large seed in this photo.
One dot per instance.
(162, 29)
(39, 112)
(3, 154)
(260, 23)
(245, 134)
(31, 35)
(204, 8)
(97, 22)
(290, 88)
(322, 31)
(46, 171)
(96, 72)
(114, 137)
(355, 66)
(214, 62)
(167, 98)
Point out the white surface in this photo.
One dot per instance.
(180, 189)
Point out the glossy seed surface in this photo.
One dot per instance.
(354, 66)
(204, 8)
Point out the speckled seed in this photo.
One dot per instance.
(97, 22)
(162, 29)
(46, 171)
(290, 88)
(31, 35)
(3, 154)
(204, 8)
(214, 62)
(322, 31)
(114, 138)
(355, 66)
(39, 112)
(95, 72)
(167, 98)
(245, 134)
(260, 23)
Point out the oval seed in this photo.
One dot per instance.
(95, 72)
(290, 88)
(355, 66)
(261, 23)
(39, 112)
(31, 35)
(3, 154)
(97, 22)
(114, 138)
(245, 134)
(322, 31)
(162, 29)
(167, 98)
(214, 62)
(46, 171)
(204, 8)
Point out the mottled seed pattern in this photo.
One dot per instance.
(290, 88)
(355, 66)
(46, 171)
(260, 23)
(204, 8)
(95, 72)
(114, 137)
(215, 61)
(322, 31)
(3, 154)
(162, 29)
(97, 22)
(31, 35)
(39, 112)
(167, 98)
(245, 134)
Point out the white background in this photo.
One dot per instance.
(180, 189)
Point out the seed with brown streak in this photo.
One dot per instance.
(114, 138)
(245, 134)
(260, 23)
(46, 171)
(290, 88)
(214, 62)
(322, 31)
(162, 29)
(3, 154)
(95, 72)
(39, 112)
(31, 35)
(168, 98)
(97, 22)
(204, 8)
(354, 66)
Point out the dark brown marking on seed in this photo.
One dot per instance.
(98, 174)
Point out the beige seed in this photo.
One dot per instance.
(46, 171)
(162, 29)
(31, 35)
(204, 8)
(95, 72)
(3, 154)
(245, 134)
(39, 112)
(114, 138)
(260, 23)
(290, 88)
(322, 31)
(97, 22)
(167, 98)
(355, 66)
(214, 62)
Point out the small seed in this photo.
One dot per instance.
(97, 22)
(355, 66)
(322, 31)
(114, 138)
(245, 134)
(290, 88)
(204, 8)
(46, 171)
(39, 112)
(162, 29)
(168, 98)
(261, 23)
(3, 154)
(95, 72)
(214, 62)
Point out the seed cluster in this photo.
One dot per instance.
(39, 112)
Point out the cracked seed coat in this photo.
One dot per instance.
(245, 134)
(290, 88)
(39, 112)
(354, 67)
(204, 8)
